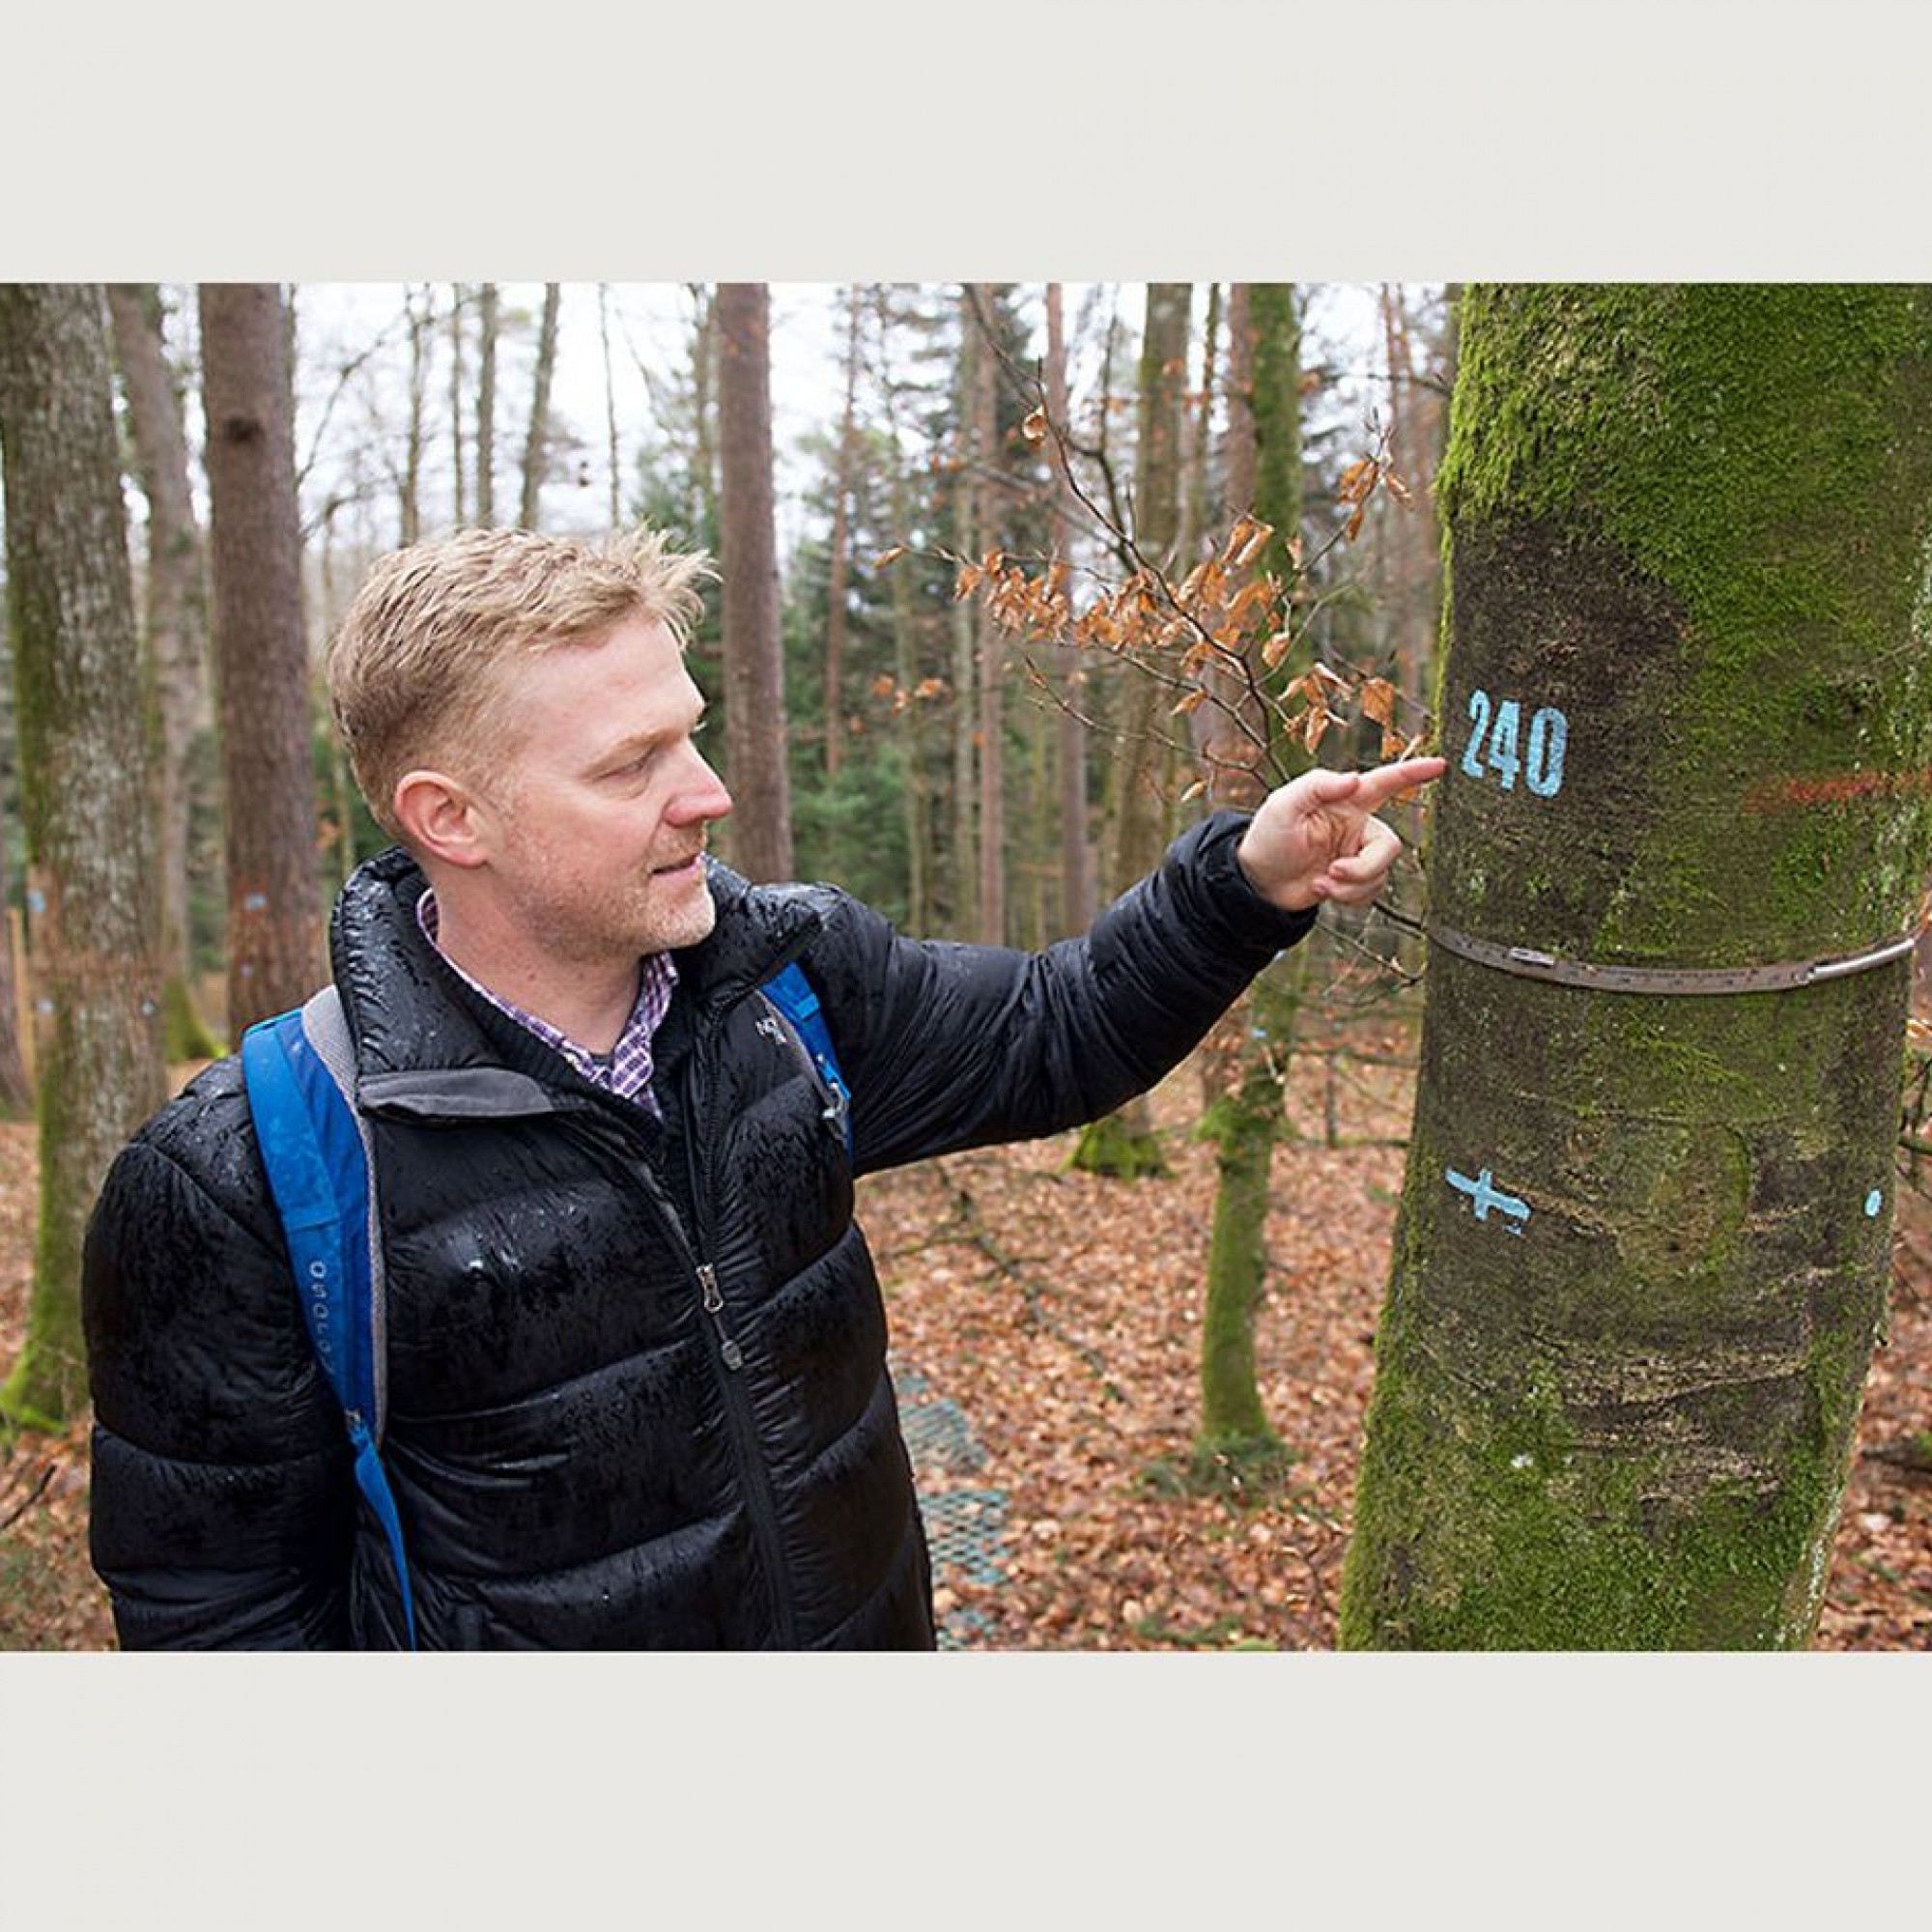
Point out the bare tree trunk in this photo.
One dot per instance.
(611, 407)
(536, 446)
(965, 876)
(408, 488)
(177, 632)
(16, 1081)
(1137, 812)
(486, 404)
(1246, 1059)
(905, 668)
(754, 706)
(841, 543)
(458, 491)
(275, 924)
(991, 645)
(1077, 902)
(1197, 441)
(1124, 1142)
(703, 375)
(84, 752)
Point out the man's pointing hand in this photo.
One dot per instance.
(1317, 840)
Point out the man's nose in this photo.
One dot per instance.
(704, 797)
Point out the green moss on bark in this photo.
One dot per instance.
(1695, 520)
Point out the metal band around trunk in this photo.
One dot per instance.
(1527, 964)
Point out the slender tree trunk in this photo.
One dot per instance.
(1645, 1243)
(1077, 906)
(408, 488)
(536, 444)
(1246, 1059)
(1197, 441)
(274, 924)
(906, 668)
(16, 1080)
(704, 382)
(1137, 812)
(754, 706)
(965, 874)
(459, 300)
(844, 483)
(989, 643)
(84, 752)
(1124, 1142)
(611, 408)
(486, 404)
(177, 633)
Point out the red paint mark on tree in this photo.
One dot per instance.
(1836, 789)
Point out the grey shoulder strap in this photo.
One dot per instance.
(326, 1029)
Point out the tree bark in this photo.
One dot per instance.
(612, 447)
(1643, 1248)
(275, 924)
(906, 621)
(1077, 904)
(1124, 1142)
(1137, 812)
(755, 705)
(177, 633)
(988, 643)
(704, 382)
(536, 444)
(458, 301)
(16, 1080)
(1246, 1057)
(842, 484)
(408, 485)
(486, 406)
(84, 752)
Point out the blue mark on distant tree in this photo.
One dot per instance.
(1874, 1201)
(1485, 1194)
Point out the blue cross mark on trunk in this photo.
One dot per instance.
(1485, 1194)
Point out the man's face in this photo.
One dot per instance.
(600, 800)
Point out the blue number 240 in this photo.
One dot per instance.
(1539, 764)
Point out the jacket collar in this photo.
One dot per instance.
(408, 1012)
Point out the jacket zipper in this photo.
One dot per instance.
(729, 1352)
(760, 1503)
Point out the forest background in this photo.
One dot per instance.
(1763, 152)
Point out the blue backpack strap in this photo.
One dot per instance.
(299, 1075)
(792, 994)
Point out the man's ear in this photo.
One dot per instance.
(443, 818)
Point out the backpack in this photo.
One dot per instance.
(299, 1071)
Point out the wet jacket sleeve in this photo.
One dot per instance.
(222, 1497)
(948, 1046)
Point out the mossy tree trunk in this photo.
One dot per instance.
(177, 632)
(1643, 1249)
(84, 752)
(1249, 1053)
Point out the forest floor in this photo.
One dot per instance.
(1050, 1321)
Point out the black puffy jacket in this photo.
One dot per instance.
(638, 1387)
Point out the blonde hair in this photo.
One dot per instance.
(413, 672)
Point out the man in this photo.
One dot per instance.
(636, 1349)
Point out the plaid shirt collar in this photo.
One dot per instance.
(626, 1070)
